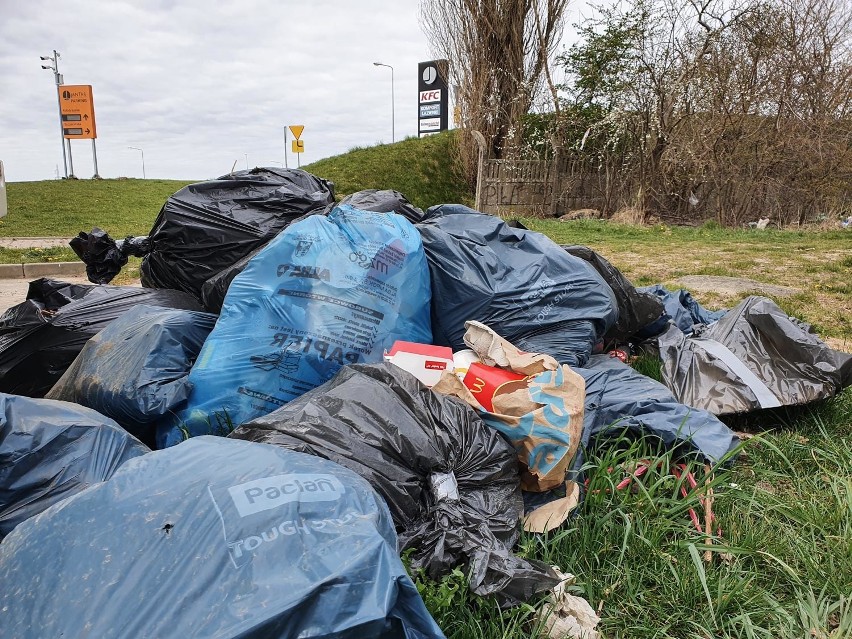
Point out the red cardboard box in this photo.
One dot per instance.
(485, 382)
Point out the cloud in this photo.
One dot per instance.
(199, 84)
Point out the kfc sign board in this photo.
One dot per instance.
(432, 96)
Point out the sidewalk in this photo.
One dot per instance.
(39, 269)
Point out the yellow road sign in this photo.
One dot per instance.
(296, 130)
(298, 146)
(77, 108)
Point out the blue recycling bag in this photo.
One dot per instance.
(213, 538)
(326, 292)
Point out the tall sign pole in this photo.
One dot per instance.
(57, 77)
(286, 166)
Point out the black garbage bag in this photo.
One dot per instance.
(214, 290)
(518, 282)
(135, 370)
(754, 357)
(619, 399)
(204, 228)
(52, 450)
(40, 338)
(384, 201)
(636, 309)
(681, 308)
(103, 256)
(451, 482)
(213, 538)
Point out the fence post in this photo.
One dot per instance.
(480, 142)
(554, 181)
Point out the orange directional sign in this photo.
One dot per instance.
(298, 146)
(78, 111)
(296, 130)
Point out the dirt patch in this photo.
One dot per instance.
(733, 286)
(838, 344)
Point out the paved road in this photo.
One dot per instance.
(33, 242)
(15, 291)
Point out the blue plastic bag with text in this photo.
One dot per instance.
(326, 292)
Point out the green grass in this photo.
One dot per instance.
(420, 169)
(63, 208)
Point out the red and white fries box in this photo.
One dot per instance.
(425, 361)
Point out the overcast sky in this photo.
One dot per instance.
(200, 84)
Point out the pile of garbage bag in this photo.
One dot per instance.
(52, 450)
(213, 538)
(41, 337)
(451, 482)
(344, 450)
(328, 291)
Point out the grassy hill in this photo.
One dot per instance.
(420, 169)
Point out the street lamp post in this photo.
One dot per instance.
(136, 148)
(57, 77)
(393, 103)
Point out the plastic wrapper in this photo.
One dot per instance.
(451, 482)
(50, 451)
(214, 538)
(518, 282)
(754, 357)
(41, 337)
(636, 309)
(326, 292)
(135, 370)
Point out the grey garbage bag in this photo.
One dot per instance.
(619, 398)
(451, 482)
(213, 538)
(518, 282)
(52, 450)
(754, 357)
(135, 370)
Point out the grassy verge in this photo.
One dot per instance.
(420, 169)
(63, 208)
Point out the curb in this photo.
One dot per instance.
(42, 269)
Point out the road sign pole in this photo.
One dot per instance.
(58, 79)
(286, 166)
(95, 160)
(71, 162)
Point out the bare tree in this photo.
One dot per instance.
(499, 52)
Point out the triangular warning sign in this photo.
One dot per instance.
(296, 130)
